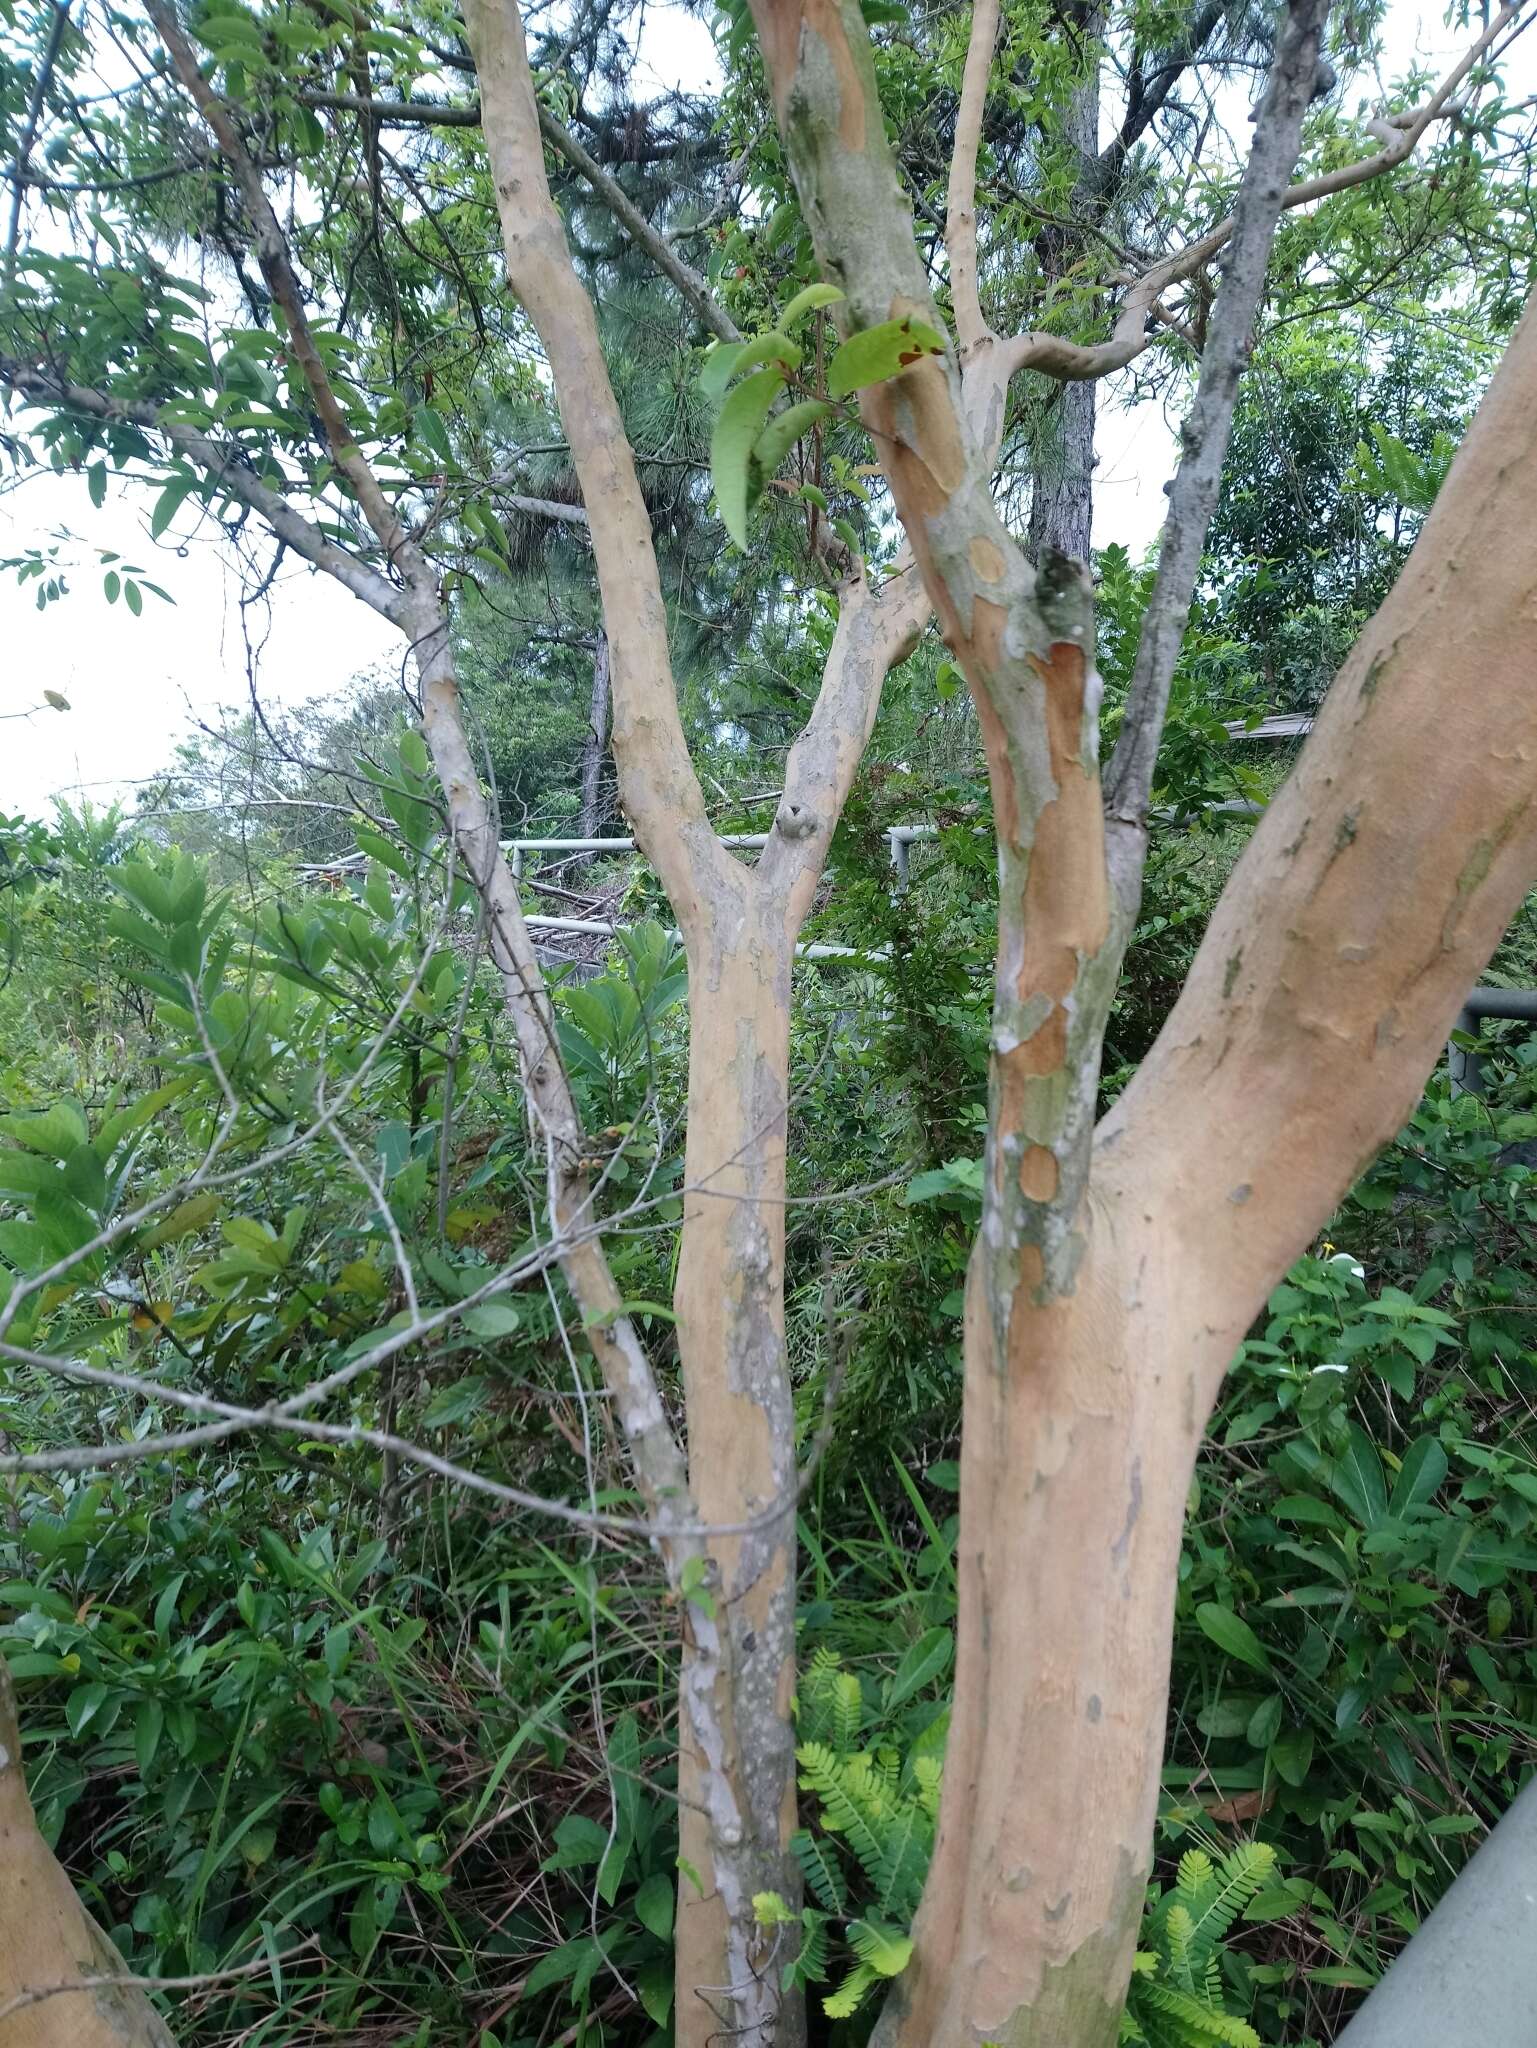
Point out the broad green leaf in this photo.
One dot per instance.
(456, 1402)
(784, 430)
(923, 1662)
(491, 1319)
(169, 503)
(55, 1132)
(736, 431)
(83, 1705)
(877, 353)
(654, 1906)
(1265, 1722)
(1423, 1469)
(808, 301)
(1231, 1634)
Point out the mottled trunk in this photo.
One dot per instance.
(595, 745)
(48, 1938)
(741, 1455)
(1074, 1470)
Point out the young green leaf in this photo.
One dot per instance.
(877, 353)
(808, 301)
(731, 460)
(784, 430)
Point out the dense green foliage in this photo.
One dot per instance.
(288, 1697)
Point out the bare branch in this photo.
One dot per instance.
(36, 1994)
(635, 224)
(1399, 135)
(961, 206)
(1204, 436)
(40, 84)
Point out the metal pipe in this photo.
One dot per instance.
(1467, 1069)
(597, 928)
(1468, 1979)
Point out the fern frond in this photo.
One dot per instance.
(905, 1857)
(887, 1950)
(810, 1963)
(1200, 2025)
(928, 1776)
(1245, 1871)
(1179, 1932)
(823, 1878)
(846, 1704)
(851, 1994)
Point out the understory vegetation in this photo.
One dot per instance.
(295, 1703)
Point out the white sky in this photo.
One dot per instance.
(136, 685)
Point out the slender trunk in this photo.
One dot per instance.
(48, 1938)
(1062, 498)
(741, 1452)
(1062, 495)
(595, 745)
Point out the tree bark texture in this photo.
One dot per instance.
(1374, 889)
(1062, 493)
(595, 745)
(739, 928)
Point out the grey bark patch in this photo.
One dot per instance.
(1122, 1542)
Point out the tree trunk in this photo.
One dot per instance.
(1374, 888)
(595, 745)
(1062, 495)
(48, 1938)
(741, 1453)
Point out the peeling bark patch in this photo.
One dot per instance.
(1066, 910)
(987, 559)
(1039, 1174)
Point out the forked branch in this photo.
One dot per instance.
(1139, 317)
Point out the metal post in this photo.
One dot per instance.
(1468, 1979)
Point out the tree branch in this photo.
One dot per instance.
(640, 231)
(1399, 134)
(445, 114)
(658, 785)
(961, 203)
(1204, 435)
(656, 1455)
(34, 115)
(226, 466)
